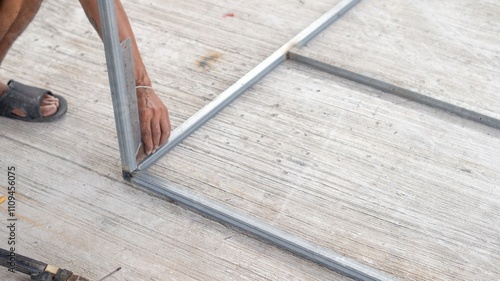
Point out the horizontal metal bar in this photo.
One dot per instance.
(254, 226)
(296, 55)
(226, 97)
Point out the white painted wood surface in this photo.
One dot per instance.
(91, 222)
(449, 50)
(75, 211)
(406, 189)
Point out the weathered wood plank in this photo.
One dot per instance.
(409, 190)
(447, 50)
(91, 223)
(75, 210)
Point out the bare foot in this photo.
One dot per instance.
(48, 106)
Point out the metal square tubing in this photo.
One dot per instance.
(254, 226)
(116, 73)
(211, 109)
(200, 204)
(296, 55)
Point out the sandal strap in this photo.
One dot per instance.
(28, 90)
(13, 99)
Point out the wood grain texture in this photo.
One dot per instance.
(75, 211)
(406, 189)
(449, 50)
(91, 223)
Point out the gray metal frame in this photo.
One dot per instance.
(296, 55)
(126, 119)
(137, 174)
(225, 98)
(259, 228)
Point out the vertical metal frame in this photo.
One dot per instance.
(124, 119)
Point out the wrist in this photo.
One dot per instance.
(143, 83)
(142, 87)
(141, 76)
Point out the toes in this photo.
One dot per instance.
(48, 99)
(49, 105)
(48, 110)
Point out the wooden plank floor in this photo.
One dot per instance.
(449, 50)
(406, 189)
(397, 186)
(75, 211)
(91, 222)
(398, 193)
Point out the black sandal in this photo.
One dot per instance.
(28, 99)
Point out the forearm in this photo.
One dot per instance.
(125, 31)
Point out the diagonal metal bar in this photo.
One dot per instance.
(296, 55)
(254, 226)
(226, 97)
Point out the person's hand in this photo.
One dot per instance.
(154, 119)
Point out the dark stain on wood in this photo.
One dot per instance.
(206, 61)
